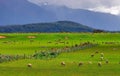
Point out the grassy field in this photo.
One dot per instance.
(29, 43)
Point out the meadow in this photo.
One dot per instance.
(106, 52)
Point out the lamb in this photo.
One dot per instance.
(81, 63)
(107, 61)
(101, 58)
(96, 52)
(102, 54)
(29, 65)
(99, 64)
(92, 55)
(63, 63)
(89, 62)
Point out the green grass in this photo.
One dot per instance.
(18, 43)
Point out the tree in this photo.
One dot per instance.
(98, 31)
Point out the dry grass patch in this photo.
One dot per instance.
(31, 37)
(2, 37)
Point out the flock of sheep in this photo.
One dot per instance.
(99, 63)
(90, 62)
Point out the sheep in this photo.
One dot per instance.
(80, 63)
(99, 64)
(89, 62)
(102, 54)
(101, 58)
(107, 61)
(96, 52)
(29, 65)
(63, 63)
(92, 55)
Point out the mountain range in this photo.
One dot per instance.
(19, 12)
(59, 26)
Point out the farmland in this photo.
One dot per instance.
(28, 44)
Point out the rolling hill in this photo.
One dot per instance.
(59, 26)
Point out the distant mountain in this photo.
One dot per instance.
(24, 12)
(59, 26)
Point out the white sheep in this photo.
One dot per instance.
(29, 65)
(92, 55)
(102, 54)
(101, 58)
(80, 63)
(63, 63)
(107, 61)
(99, 64)
(96, 52)
(89, 62)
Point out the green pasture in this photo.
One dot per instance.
(19, 44)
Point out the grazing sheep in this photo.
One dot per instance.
(96, 52)
(89, 62)
(101, 58)
(29, 65)
(92, 55)
(81, 63)
(102, 54)
(63, 63)
(107, 61)
(99, 64)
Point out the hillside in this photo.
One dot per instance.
(59, 26)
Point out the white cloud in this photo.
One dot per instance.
(115, 10)
(106, 6)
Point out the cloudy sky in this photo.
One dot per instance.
(106, 6)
